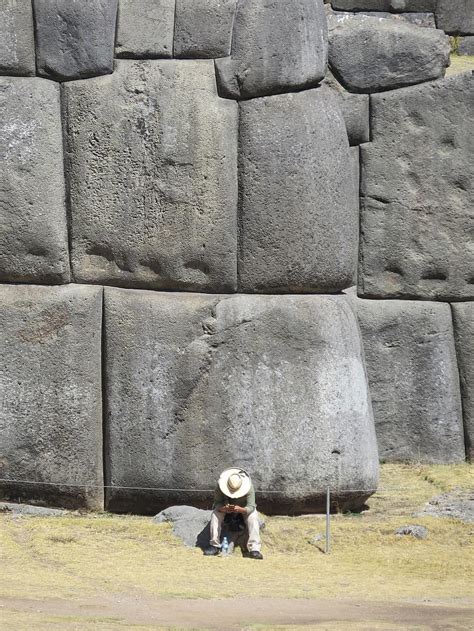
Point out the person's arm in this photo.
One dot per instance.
(219, 499)
(251, 503)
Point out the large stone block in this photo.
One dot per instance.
(298, 221)
(17, 40)
(371, 55)
(145, 29)
(463, 315)
(74, 38)
(277, 46)
(417, 194)
(466, 46)
(33, 233)
(398, 6)
(203, 28)
(50, 387)
(413, 379)
(455, 16)
(152, 161)
(275, 384)
(355, 110)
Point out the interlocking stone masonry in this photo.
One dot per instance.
(298, 218)
(277, 46)
(17, 40)
(50, 387)
(418, 193)
(74, 38)
(33, 234)
(372, 55)
(152, 163)
(275, 384)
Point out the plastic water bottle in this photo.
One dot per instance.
(225, 547)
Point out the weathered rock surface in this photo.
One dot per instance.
(152, 161)
(29, 509)
(195, 381)
(458, 504)
(33, 234)
(74, 38)
(385, 5)
(355, 163)
(417, 211)
(203, 28)
(463, 317)
(190, 524)
(277, 46)
(17, 40)
(355, 110)
(371, 55)
(466, 46)
(413, 379)
(425, 20)
(455, 16)
(145, 28)
(50, 387)
(298, 222)
(414, 530)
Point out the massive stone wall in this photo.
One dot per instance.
(179, 224)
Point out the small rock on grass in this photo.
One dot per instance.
(419, 532)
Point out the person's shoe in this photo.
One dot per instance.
(254, 554)
(211, 551)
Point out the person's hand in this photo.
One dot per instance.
(237, 509)
(226, 509)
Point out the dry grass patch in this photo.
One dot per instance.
(460, 63)
(77, 556)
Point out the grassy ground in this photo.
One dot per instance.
(75, 556)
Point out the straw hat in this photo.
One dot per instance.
(235, 483)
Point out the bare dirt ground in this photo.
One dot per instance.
(232, 614)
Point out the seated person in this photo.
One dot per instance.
(235, 494)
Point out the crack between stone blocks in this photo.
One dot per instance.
(66, 174)
(467, 441)
(104, 407)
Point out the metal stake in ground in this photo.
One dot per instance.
(328, 520)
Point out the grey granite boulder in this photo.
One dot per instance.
(275, 384)
(398, 6)
(145, 29)
(298, 221)
(50, 387)
(355, 110)
(190, 524)
(203, 28)
(466, 46)
(152, 161)
(74, 38)
(372, 55)
(17, 40)
(277, 46)
(33, 234)
(413, 379)
(455, 16)
(418, 193)
(463, 316)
